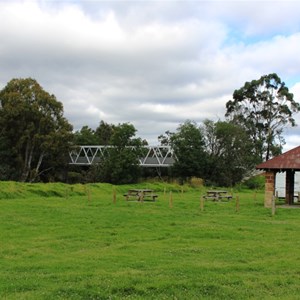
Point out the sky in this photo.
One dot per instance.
(154, 64)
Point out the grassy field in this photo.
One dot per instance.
(74, 242)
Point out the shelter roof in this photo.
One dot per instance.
(289, 160)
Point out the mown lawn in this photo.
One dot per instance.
(73, 242)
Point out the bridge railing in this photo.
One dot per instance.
(153, 156)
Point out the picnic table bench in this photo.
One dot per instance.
(140, 195)
(217, 195)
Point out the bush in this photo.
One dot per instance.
(75, 177)
(196, 182)
(255, 182)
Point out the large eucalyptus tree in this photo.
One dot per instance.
(36, 136)
(264, 107)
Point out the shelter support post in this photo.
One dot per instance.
(269, 187)
(289, 186)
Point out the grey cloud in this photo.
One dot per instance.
(154, 64)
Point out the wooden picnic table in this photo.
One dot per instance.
(217, 195)
(140, 194)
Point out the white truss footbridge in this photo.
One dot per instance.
(154, 156)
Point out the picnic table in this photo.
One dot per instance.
(140, 195)
(217, 195)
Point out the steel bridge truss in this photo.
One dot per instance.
(153, 156)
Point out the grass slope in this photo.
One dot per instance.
(73, 242)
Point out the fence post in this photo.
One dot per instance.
(114, 196)
(273, 206)
(89, 194)
(201, 203)
(67, 193)
(237, 203)
(171, 200)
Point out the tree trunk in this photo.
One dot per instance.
(35, 173)
(27, 161)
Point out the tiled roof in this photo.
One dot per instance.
(289, 160)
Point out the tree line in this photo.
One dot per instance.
(35, 138)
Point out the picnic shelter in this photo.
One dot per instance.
(288, 162)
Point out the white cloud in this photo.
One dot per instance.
(154, 64)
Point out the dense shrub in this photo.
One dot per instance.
(255, 182)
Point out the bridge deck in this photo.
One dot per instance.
(155, 156)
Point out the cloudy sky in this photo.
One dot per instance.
(154, 64)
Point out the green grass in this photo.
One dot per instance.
(73, 242)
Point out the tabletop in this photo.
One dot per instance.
(140, 191)
(216, 192)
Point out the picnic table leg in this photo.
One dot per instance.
(141, 196)
(202, 203)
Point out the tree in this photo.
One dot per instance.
(104, 133)
(86, 136)
(100, 136)
(264, 107)
(165, 139)
(230, 157)
(33, 128)
(121, 164)
(188, 145)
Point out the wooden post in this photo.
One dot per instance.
(89, 194)
(114, 196)
(67, 194)
(289, 186)
(171, 200)
(237, 204)
(85, 190)
(202, 203)
(273, 206)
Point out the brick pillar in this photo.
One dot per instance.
(289, 187)
(269, 187)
